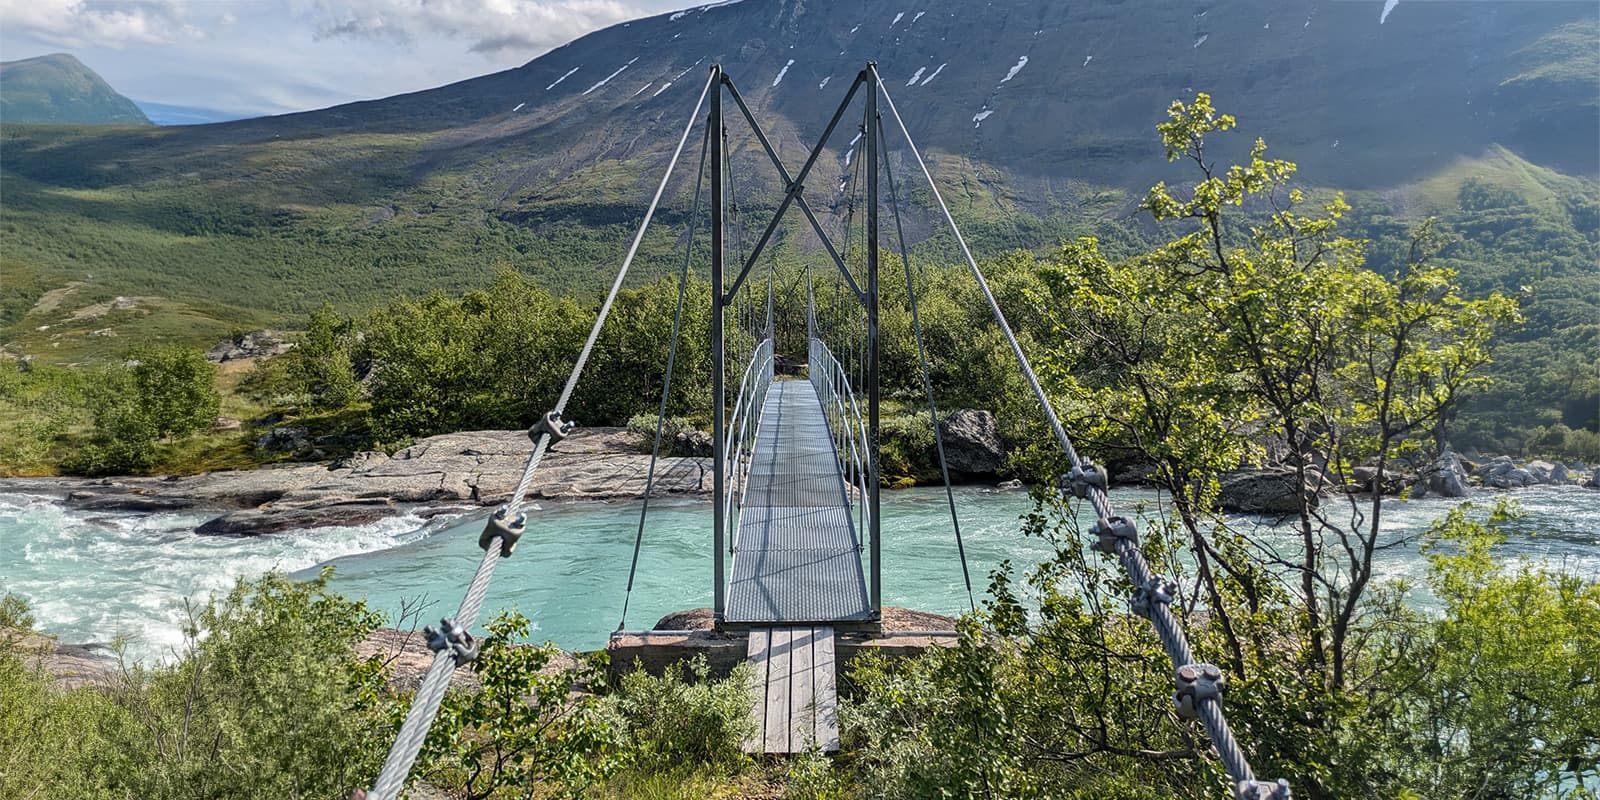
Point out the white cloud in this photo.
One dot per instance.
(273, 56)
(92, 23)
(490, 26)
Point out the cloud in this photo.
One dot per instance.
(272, 56)
(98, 23)
(489, 27)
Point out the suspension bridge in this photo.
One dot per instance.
(796, 534)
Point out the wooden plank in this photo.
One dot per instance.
(777, 722)
(802, 708)
(827, 695)
(756, 653)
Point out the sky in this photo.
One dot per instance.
(251, 57)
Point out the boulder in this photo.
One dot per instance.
(286, 439)
(254, 344)
(1515, 478)
(1447, 477)
(70, 666)
(90, 501)
(1594, 479)
(693, 444)
(1134, 474)
(1263, 491)
(1493, 468)
(253, 522)
(972, 442)
(1394, 482)
(1539, 470)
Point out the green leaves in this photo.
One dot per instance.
(523, 728)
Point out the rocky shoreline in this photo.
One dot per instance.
(472, 469)
(1273, 490)
(440, 474)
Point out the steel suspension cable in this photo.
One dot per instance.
(922, 355)
(453, 645)
(666, 383)
(1199, 685)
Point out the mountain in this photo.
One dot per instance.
(59, 89)
(168, 114)
(1037, 116)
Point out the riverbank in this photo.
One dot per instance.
(462, 471)
(440, 474)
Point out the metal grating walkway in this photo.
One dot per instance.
(796, 558)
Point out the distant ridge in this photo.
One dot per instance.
(58, 88)
(167, 114)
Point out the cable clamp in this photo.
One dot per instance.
(1082, 477)
(452, 637)
(552, 426)
(1111, 529)
(1196, 683)
(1260, 790)
(503, 527)
(1147, 597)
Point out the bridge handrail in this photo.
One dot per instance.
(848, 412)
(749, 403)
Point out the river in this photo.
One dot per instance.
(95, 576)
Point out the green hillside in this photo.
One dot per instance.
(58, 89)
(1037, 118)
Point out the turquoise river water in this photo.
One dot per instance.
(94, 576)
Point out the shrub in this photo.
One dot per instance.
(267, 699)
(645, 425)
(906, 447)
(524, 729)
(682, 716)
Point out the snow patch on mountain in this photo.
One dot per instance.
(562, 78)
(1021, 62)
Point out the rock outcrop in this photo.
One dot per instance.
(972, 442)
(255, 344)
(453, 471)
(1269, 490)
(70, 666)
(1446, 477)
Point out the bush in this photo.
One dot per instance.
(906, 448)
(683, 716)
(645, 425)
(267, 699)
(322, 367)
(161, 392)
(56, 743)
(524, 729)
(175, 388)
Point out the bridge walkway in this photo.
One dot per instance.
(796, 555)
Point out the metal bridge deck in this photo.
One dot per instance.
(796, 558)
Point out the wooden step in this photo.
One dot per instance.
(795, 699)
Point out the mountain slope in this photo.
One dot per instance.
(59, 89)
(1036, 116)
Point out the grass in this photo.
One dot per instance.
(1537, 185)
